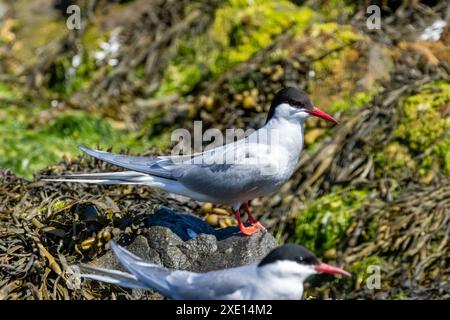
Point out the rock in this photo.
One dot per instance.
(183, 241)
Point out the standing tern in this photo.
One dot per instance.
(232, 174)
(280, 275)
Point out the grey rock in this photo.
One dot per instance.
(168, 241)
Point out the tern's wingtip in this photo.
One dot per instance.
(114, 246)
(82, 147)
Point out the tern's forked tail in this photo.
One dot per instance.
(123, 177)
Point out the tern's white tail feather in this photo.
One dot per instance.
(123, 177)
(131, 177)
(116, 277)
(143, 275)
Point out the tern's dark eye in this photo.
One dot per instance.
(307, 260)
(297, 104)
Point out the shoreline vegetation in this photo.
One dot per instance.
(372, 191)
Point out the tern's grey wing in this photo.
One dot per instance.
(153, 166)
(240, 168)
(160, 166)
(227, 284)
(150, 275)
(221, 284)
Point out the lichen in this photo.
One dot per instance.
(324, 222)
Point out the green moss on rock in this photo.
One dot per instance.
(324, 222)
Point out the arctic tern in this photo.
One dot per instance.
(259, 165)
(279, 275)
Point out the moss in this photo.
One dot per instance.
(65, 77)
(26, 150)
(240, 29)
(324, 221)
(371, 231)
(422, 138)
(401, 295)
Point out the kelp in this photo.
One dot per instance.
(372, 191)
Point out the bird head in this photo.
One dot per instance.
(293, 103)
(292, 260)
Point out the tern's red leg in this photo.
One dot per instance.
(248, 231)
(251, 219)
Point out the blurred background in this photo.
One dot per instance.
(373, 190)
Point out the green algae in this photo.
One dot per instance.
(240, 29)
(324, 222)
(27, 149)
(422, 138)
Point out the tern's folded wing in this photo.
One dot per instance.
(150, 165)
(243, 168)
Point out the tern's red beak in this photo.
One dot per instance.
(326, 268)
(321, 114)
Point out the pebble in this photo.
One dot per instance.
(220, 212)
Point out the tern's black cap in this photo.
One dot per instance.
(293, 96)
(291, 252)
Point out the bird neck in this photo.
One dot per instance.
(288, 133)
(282, 123)
(289, 282)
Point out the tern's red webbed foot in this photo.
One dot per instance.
(254, 227)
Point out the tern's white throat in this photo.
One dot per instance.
(286, 127)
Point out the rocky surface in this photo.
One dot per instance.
(182, 241)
